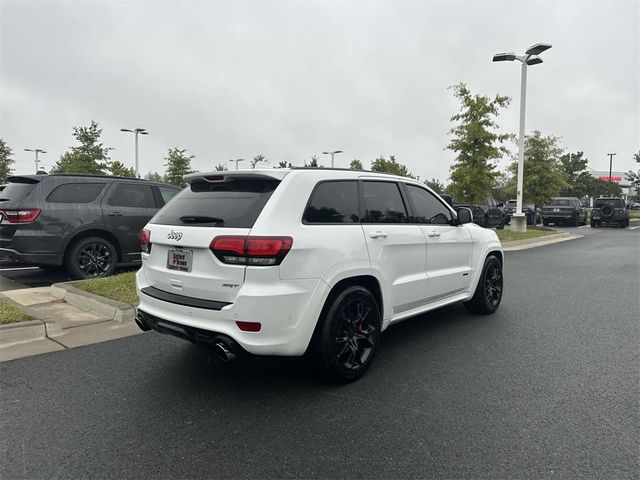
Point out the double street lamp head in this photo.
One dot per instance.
(530, 57)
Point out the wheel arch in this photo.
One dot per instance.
(93, 232)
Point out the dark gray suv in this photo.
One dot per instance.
(88, 224)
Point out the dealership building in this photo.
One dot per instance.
(618, 177)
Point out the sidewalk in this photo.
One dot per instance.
(68, 317)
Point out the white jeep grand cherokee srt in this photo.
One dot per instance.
(282, 261)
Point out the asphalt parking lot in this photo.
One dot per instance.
(547, 387)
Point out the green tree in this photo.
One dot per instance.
(6, 161)
(543, 174)
(477, 144)
(284, 164)
(574, 168)
(89, 157)
(154, 177)
(634, 177)
(257, 159)
(435, 185)
(391, 166)
(313, 163)
(505, 188)
(120, 170)
(600, 188)
(221, 167)
(178, 165)
(356, 164)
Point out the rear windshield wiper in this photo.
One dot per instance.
(201, 219)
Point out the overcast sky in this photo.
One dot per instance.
(290, 79)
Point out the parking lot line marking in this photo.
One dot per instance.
(17, 268)
(632, 228)
(585, 226)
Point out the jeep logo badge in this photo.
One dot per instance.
(174, 235)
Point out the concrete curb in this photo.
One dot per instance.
(22, 332)
(105, 307)
(516, 245)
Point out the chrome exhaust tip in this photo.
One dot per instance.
(223, 352)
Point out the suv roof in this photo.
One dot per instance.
(79, 176)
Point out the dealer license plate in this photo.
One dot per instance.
(179, 259)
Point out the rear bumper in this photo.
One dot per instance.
(30, 258)
(558, 216)
(287, 311)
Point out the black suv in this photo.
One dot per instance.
(609, 210)
(564, 210)
(88, 224)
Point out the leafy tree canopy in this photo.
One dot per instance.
(356, 165)
(435, 185)
(6, 161)
(221, 167)
(543, 173)
(89, 157)
(284, 164)
(574, 168)
(391, 166)
(313, 163)
(119, 169)
(634, 177)
(476, 143)
(178, 165)
(154, 177)
(257, 159)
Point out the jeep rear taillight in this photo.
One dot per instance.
(255, 251)
(17, 215)
(145, 240)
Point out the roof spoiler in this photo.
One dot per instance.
(24, 179)
(228, 175)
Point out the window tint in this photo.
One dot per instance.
(17, 190)
(132, 195)
(428, 209)
(75, 193)
(168, 193)
(333, 202)
(384, 203)
(234, 203)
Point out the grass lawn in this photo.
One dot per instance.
(532, 232)
(11, 314)
(120, 287)
(634, 213)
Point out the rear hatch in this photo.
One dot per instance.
(559, 207)
(181, 259)
(15, 209)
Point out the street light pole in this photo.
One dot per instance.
(136, 132)
(37, 151)
(237, 161)
(519, 223)
(610, 163)
(332, 154)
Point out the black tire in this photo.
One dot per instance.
(593, 224)
(91, 257)
(488, 294)
(348, 335)
(545, 223)
(529, 219)
(622, 223)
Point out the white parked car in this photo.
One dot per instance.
(281, 261)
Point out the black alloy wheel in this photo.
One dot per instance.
(488, 294)
(347, 338)
(91, 257)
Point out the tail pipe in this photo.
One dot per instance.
(223, 352)
(141, 322)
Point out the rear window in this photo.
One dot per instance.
(16, 192)
(614, 202)
(233, 204)
(562, 202)
(75, 193)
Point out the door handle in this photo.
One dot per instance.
(433, 233)
(378, 234)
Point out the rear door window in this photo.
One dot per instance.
(333, 202)
(236, 203)
(384, 203)
(75, 193)
(132, 195)
(168, 193)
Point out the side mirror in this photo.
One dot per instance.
(464, 215)
(627, 206)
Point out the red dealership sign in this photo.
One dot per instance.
(611, 179)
